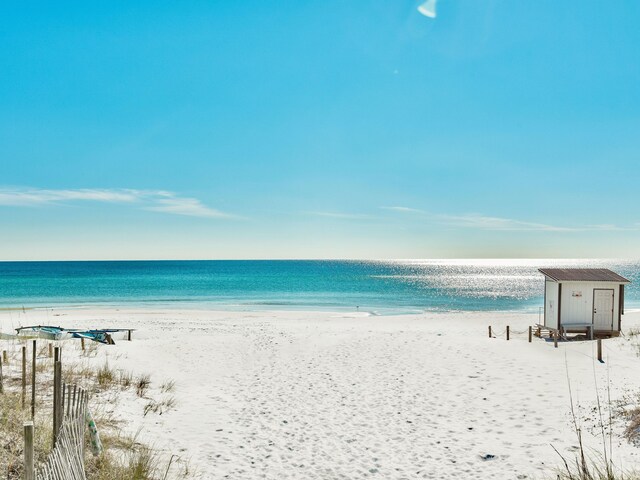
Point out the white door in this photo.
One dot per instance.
(602, 309)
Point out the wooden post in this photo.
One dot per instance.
(489, 331)
(507, 332)
(600, 350)
(57, 399)
(530, 333)
(75, 404)
(24, 375)
(29, 471)
(82, 343)
(33, 381)
(538, 332)
(67, 402)
(1, 379)
(5, 358)
(56, 355)
(555, 339)
(83, 410)
(129, 335)
(50, 350)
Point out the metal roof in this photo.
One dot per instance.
(582, 275)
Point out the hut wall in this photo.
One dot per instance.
(577, 301)
(551, 304)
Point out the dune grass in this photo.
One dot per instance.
(124, 456)
(142, 385)
(589, 465)
(12, 417)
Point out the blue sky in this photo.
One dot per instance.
(332, 129)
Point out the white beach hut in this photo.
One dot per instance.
(587, 300)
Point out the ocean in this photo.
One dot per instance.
(377, 286)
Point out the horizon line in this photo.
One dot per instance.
(308, 259)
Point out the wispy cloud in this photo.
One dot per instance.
(403, 209)
(32, 197)
(484, 222)
(487, 222)
(191, 207)
(609, 227)
(346, 216)
(153, 200)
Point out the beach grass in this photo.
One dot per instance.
(125, 456)
(589, 465)
(142, 385)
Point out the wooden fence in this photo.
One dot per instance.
(71, 418)
(66, 461)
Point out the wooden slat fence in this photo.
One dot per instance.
(66, 460)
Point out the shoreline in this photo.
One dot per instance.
(197, 305)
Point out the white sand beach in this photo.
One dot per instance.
(321, 395)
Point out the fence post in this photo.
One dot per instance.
(507, 332)
(530, 333)
(57, 403)
(1, 379)
(600, 350)
(50, 350)
(489, 331)
(24, 375)
(555, 339)
(33, 381)
(29, 472)
(129, 335)
(82, 343)
(68, 402)
(5, 357)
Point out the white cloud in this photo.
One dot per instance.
(609, 227)
(31, 197)
(486, 222)
(186, 206)
(154, 200)
(403, 209)
(347, 216)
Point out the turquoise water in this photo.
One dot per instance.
(384, 286)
